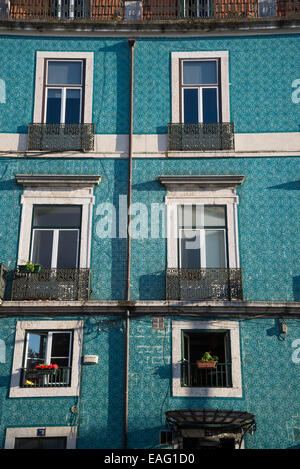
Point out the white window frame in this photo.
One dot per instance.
(56, 232)
(54, 192)
(31, 432)
(201, 235)
(87, 84)
(199, 88)
(22, 328)
(63, 102)
(49, 346)
(183, 391)
(223, 57)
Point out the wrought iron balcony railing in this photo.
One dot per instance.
(201, 137)
(145, 10)
(31, 378)
(218, 377)
(51, 284)
(61, 137)
(204, 284)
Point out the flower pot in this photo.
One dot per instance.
(209, 364)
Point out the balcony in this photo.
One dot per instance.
(213, 136)
(218, 377)
(31, 378)
(204, 284)
(61, 137)
(147, 10)
(51, 284)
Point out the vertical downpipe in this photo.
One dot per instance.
(131, 44)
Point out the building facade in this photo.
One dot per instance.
(189, 114)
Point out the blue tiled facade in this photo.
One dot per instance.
(270, 386)
(262, 69)
(268, 199)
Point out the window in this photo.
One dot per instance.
(63, 87)
(53, 233)
(52, 343)
(202, 245)
(69, 8)
(62, 118)
(200, 102)
(190, 340)
(56, 235)
(202, 80)
(29, 438)
(194, 345)
(63, 92)
(50, 347)
(196, 8)
(202, 236)
(200, 91)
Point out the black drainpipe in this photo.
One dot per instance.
(131, 44)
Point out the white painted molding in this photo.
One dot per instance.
(21, 328)
(183, 391)
(191, 194)
(31, 432)
(150, 146)
(57, 190)
(41, 56)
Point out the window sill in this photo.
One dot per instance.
(44, 392)
(199, 153)
(184, 391)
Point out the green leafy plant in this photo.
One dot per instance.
(29, 267)
(207, 357)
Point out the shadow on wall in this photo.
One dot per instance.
(289, 186)
(296, 288)
(153, 286)
(122, 100)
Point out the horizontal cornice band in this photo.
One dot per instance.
(57, 180)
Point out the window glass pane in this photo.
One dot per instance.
(186, 216)
(190, 104)
(190, 249)
(56, 216)
(64, 73)
(215, 248)
(214, 215)
(60, 344)
(61, 362)
(42, 247)
(200, 72)
(36, 352)
(72, 107)
(209, 105)
(67, 249)
(53, 115)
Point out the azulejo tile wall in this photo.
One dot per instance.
(268, 210)
(262, 70)
(270, 381)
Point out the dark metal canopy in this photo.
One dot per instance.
(219, 420)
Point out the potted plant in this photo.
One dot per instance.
(45, 368)
(207, 361)
(29, 267)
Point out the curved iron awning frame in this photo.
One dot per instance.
(215, 421)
